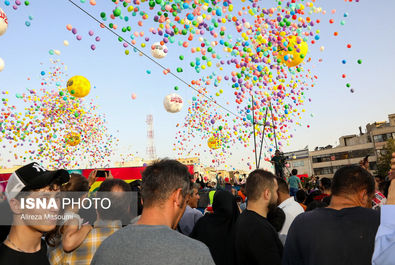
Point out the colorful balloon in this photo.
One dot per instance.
(78, 86)
(3, 22)
(173, 103)
(214, 143)
(2, 64)
(73, 138)
(294, 53)
(158, 51)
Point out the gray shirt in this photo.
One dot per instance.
(189, 219)
(151, 245)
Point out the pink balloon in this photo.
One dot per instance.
(134, 96)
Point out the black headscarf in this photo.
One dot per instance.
(216, 230)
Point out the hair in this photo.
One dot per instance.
(162, 178)
(384, 186)
(315, 204)
(276, 218)
(294, 172)
(300, 196)
(351, 180)
(257, 181)
(77, 182)
(120, 201)
(196, 186)
(282, 186)
(326, 183)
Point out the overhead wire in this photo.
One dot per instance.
(157, 63)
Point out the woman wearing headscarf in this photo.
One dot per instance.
(216, 229)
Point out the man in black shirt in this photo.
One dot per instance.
(23, 244)
(342, 233)
(256, 240)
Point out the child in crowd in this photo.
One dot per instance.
(72, 232)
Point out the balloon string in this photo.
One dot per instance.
(157, 63)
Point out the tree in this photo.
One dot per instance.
(384, 161)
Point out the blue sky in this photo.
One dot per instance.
(116, 76)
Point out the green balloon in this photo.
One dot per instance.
(117, 12)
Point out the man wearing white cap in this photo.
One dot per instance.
(24, 244)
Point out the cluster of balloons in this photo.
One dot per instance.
(55, 124)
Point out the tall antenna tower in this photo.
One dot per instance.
(151, 150)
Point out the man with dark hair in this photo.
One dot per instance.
(256, 240)
(24, 244)
(342, 233)
(301, 198)
(290, 207)
(278, 160)
(325, 189)
(166, 186)
(191, 215)
(294, 183)
(108, 221)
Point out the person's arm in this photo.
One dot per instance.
(300, 184)
(384, 248)
(73, 237)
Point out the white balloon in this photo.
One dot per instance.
(173, 103)
(3, 22)
(2, 64)
(157, 50)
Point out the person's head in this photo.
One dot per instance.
(135, 185)
(283, 190)
(277, 153)
(325, 185)
(378, 180)
(194, 197)
(315, 204)
(35, 182)
(276, 218)
(294, 172)
(301, 196)
(224, 203)
(261, 188)
(77, 182)
(243, 188)
(166, 185)
(354, 183)
(118, 192)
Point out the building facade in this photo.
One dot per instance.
(325, 161)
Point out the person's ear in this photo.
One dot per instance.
(15, 206)
(177, 197)
(266, 194)
(364, 198)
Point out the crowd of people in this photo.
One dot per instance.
(264, 219)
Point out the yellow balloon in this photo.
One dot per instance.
(78, 86)
(73, 138)
(295, 57)
(214, 143)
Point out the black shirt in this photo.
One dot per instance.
(257, 242)
(326, 236)
(9, 256)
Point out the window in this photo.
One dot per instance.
(321, 158)
(383, 137)
(323, 171)
(361, 153)
(298, 164)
